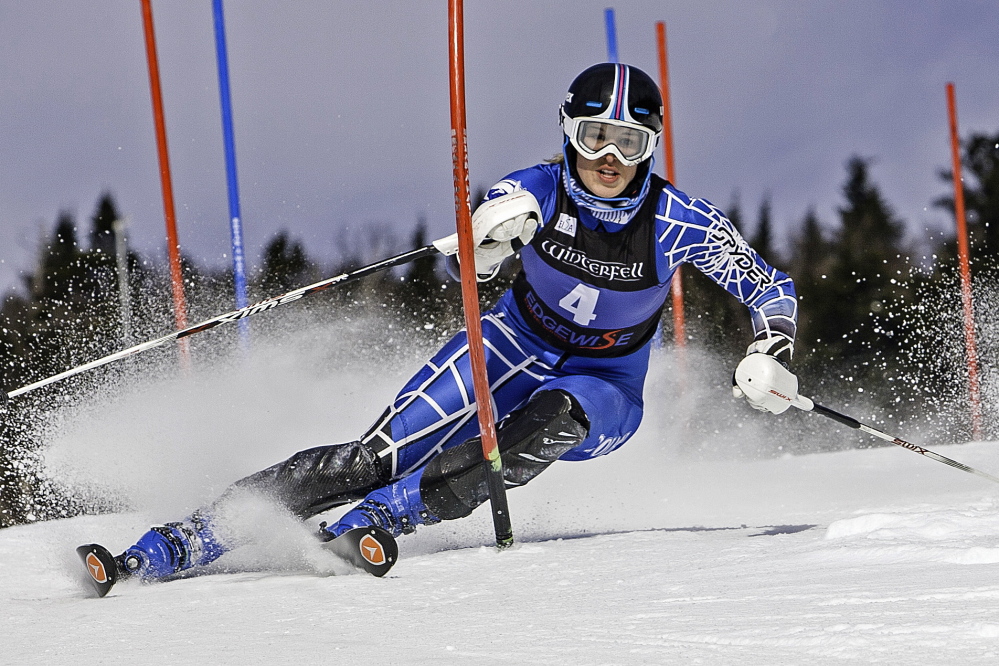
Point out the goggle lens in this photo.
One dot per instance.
(594, 135)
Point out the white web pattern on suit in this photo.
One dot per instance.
(723, 255)
(387, 446)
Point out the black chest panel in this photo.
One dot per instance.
(593, 293)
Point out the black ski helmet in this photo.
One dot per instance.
(617, 98)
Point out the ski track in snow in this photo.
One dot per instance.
(647, 556)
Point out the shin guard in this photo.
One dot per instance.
(318, 479)
(530, 439)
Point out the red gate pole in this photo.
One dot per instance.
(469, 287)
(679, 322)
(173, 245)
(963, 254)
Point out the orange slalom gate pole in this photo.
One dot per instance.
(679, 322)
(173, 244)
(963, 254)
(469, 286)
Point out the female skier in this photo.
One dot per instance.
(567, 347)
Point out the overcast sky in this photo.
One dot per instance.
(342, 122)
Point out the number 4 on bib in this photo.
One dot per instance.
(581, 302)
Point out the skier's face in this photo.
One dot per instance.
(605, 176)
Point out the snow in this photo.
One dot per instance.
(847, 573)
(643, 557)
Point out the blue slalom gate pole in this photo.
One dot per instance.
(611, 35)
(235, 221)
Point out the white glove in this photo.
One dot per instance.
(489, 257)
(763, 379)
(508, 218)
(500, 227)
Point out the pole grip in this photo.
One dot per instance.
(836, 416)
(447, 245)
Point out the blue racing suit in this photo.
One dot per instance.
(574, 333)
(580, 318)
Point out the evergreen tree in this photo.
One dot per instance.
(285, 266)
(54, 280)
(809, 267)
(735, 212)
(980, 171)
(762, 241)
(102, 232)
(866, 276)
(426, 296)
(69, 313)
(422, 273)
(934, 325)
(421, 282)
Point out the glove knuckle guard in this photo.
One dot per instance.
(500, 227)
(513, 215)
(766, 383)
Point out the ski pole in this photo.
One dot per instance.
(496, 486)
(448, 245)
(806, 404)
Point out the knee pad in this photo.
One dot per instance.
(318, 479)
(530, 439)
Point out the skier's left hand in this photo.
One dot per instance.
(763, 378)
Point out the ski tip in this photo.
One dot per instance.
(369, 548)
(102, 572)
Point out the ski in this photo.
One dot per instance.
(369, 549)
(101, 568)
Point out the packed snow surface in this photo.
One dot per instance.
(873, 556)
(646, 556)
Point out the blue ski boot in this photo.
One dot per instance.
(396, 508)
(171, 548)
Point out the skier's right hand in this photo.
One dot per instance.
(512, 218)
(500, 227)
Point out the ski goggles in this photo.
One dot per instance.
(596, 137)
